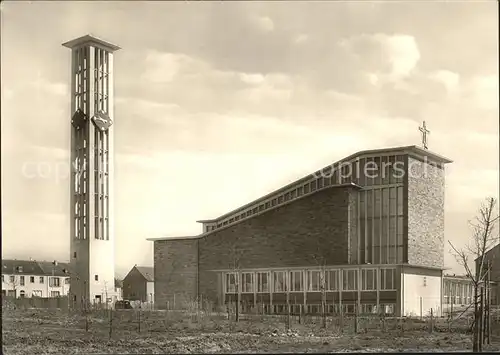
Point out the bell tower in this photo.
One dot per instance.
(92, 271)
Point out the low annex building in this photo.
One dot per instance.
(371, 225)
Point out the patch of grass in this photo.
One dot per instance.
(56, 331)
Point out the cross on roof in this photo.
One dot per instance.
(424, 132)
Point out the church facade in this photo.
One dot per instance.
(366, 232)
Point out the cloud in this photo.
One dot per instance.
(392, 56)
(252, 79)
(164, 67)
(373, 78)
(403, 53)
(449, 79)
(301, 38)
(263, 23)
(485, 90)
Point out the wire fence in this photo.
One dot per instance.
(204, 316)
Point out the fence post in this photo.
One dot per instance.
(139, 319)
(488, 305)
(110, 322)
(431, 322)
(341, 318)
(421, 309)
(355, 318)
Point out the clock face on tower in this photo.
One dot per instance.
(79, 119)
(102, 121)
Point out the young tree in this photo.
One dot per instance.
(482, 239)
(321, 262)
(235, 256)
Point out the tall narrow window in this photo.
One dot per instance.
(386, 170)
(247, 282)
(369, 279)
(400, 201)
(377, 203)
(446, 292)
(387, 279)
(362, 172)
(262, 282)
(280, 283)
(393, 169)
(377, 172)
(369, 240)
(332, 280)
(314, 280)
(321, 183)
(296, 281)
(400, 167)
(370, 171)
(376, 240)
(350, 280)
(231, 282)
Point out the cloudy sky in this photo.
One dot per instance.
(218, 103)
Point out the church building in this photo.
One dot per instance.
(368, 229)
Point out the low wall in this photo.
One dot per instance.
(36, 302)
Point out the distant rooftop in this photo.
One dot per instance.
(36, 268)
(147, 271)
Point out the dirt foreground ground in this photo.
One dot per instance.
(43, 332)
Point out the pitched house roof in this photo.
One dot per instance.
(33, 267)
(147, 272)
(21, 267)
(60, 269)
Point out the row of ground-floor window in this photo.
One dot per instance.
(350, 290)
(457, 291)
(311, 308)
(397, 289)
(292, 281)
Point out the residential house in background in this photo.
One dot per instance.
(31, 278)
(138, 285)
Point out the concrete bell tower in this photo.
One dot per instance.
(91, 226)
